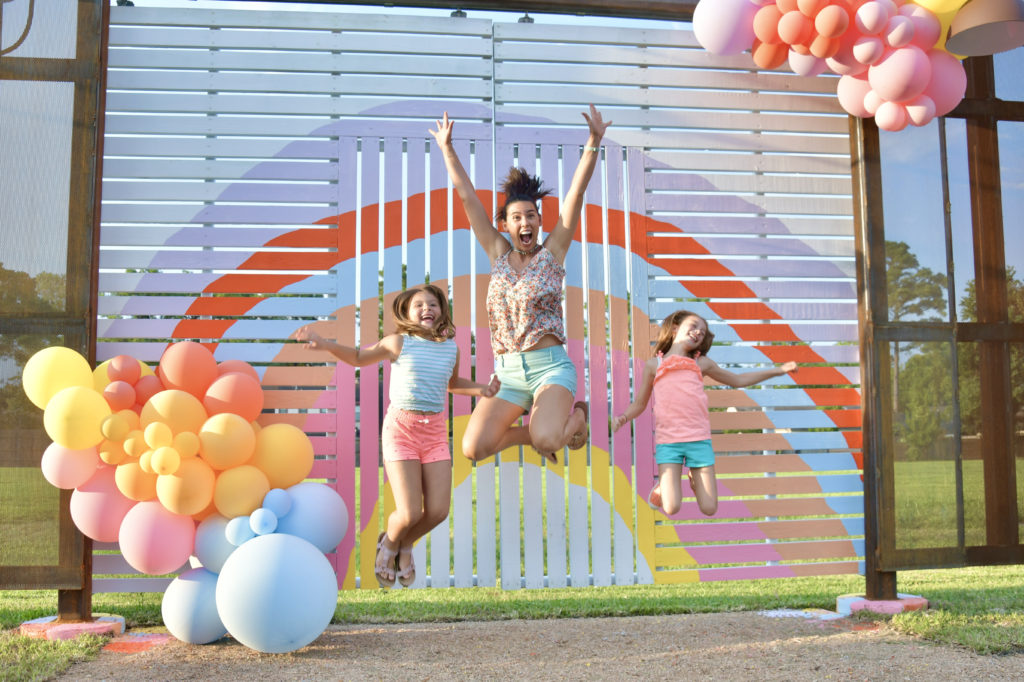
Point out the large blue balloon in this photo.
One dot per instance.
(189, 608)
(276, 593)
(317, 514)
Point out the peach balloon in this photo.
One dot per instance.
(766, 24)
(787, 5)
(120, 395)
(234, 392)
(226, 440)
(165, 461)
(238, 366)
(124, 368)
(189, 490)
(147, 387)
(823, 48)
(146, 462)
(178, 409)
(187, 366)
(843, 61)
(186, 443)
(767, 56)
(795, 28)
(134, 483)
(810, 8)
(158, 434)
(284, 453)
(832, 21)
(112, 452)
(135, 443)
(240, 491)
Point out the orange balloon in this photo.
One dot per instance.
(134, 483)
(823, 47)
(810, 8)
(238, 366)
(226, 440)
(112, 452)
(795, 28)
(766, 24)
(124, 368)
(284, 453)
(235, 392)
(189, 490)
(832, 21)
(187, 366)
(787, 5)
(147, 387)
(769, 56)
(178, 409)
(240, 491)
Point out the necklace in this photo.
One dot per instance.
(532, 251)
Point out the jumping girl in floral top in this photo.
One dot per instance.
(524, 307)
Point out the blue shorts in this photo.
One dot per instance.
(523, 374)
(694, 454)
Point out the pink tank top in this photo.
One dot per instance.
(680, 403)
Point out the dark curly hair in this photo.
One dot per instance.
(519, 185)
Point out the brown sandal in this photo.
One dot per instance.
(385, 558)
(580, 438)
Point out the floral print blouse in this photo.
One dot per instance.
(523, 307)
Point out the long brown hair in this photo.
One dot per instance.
(668, 333)
(520, 186)
(444, 328)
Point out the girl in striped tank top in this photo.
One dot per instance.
(417, 458)
(682, 425)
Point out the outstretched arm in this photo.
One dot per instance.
(489, 237)
(572, 203)
(643, 396)
(387, 348)
(711, 369)
(462, 386)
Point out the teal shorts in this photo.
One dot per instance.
(523, 374)
(694, 454)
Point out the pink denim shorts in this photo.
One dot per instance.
(411, 436)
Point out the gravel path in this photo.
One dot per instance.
(732, 646)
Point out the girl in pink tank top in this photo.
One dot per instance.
(682, 427)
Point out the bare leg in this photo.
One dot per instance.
(670, 485)
(437, 497)
(405, 477)
(702, 480)
(551, 424)
(490, 429)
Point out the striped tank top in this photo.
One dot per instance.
(420, 374)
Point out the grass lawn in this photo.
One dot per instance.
(978, 608)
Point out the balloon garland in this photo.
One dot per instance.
(890, 56)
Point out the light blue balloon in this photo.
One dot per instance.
(212, 545)
(278, 501)
(318, 514)
(262, 521)
(276, 593)
(238, 531)
(189, 607)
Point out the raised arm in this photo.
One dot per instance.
(711, 369)
(643, 396)
(387, 348)
(488, 236)
(462, 386)
(572, 203)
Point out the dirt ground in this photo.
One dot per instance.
(733, 646)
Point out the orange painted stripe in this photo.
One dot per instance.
(845, 418)
(252, 284)
(291, 260)
(673, 245)
(819, 376)
(307, 238)
(416, 206)
(718, 289)
(744, 311)
(690, 266)
(201, 329)
(223, 305)
(834, 396)
(855, 439)
(765, 332)
(801, 354)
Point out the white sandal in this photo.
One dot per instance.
(385, 559)
(407, 576)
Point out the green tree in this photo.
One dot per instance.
(926, 400)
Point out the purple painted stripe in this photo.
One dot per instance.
(293, 170)
(755, 247)
(298, 215)
(235, 237)
(729, 224)
(291, 192)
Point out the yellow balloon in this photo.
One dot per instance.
(50, 371)
(179, 410)
(115, 427)
(73, 417)
(165, 461)
(134, 483)
(284, 453)
(135, 443)
(187, 444)
(132, 418)
(158, 435)
(146, 461)
(189, 490)
(226, 440)
(240, 491)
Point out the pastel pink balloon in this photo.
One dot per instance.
(805, 64)
(65, 468)
(868, 49)
(871, 17)
(124, 368)
(948, 82)
(921, 110)
(927, 28)
(891, 116)
(871, 102)
(899, 32)
(98, 507)
(724, 26)
(851, 91)
(843, 62)
(832, 21)
(234, 392)
(154, 540)
(901, 74)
